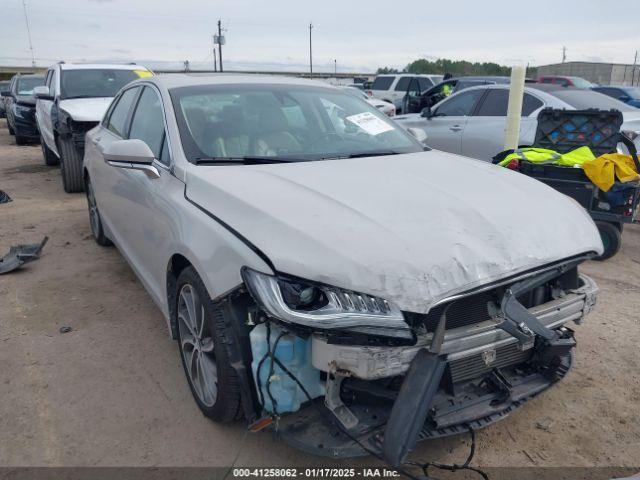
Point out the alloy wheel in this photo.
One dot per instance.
(94, 217)
(197, 346)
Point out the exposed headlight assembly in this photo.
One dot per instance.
(325, 308)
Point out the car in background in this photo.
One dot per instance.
(4, 87)
(416, 99)
(392, 87)
(566, 81)
(20, 105)
(628, 95)
(472, 122)
(387, 108)
(303, 259)
(73, 100)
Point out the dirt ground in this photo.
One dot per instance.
(112, 391)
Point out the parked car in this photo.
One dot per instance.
(72, 102)
(298, 255)
(20, 105)
(416, 99)
(4, 87)
(628, 95)
(472, 122)
(392, 87)
(566, 81)
(387, 108)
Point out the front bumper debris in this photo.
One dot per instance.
(20, 254)
(449, 381)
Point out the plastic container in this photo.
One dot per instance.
(295, 354)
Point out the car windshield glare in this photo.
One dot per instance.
(90, 83)
(282, 121)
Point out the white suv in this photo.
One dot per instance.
(72, 102)
(392, 88)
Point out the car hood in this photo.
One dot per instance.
(411, 228)
(86, 109)
(26, 100)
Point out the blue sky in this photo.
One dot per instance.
(273, 34)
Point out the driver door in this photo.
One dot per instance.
(446, 126)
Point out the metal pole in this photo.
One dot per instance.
(335, 68)
(514, 108)
(310, 52)
(26, 19)
(215, 59)
(220, 43)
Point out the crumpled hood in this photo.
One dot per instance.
(26, 100)
(86, 109)
(411, 228)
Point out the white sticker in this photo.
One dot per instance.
(371, 124)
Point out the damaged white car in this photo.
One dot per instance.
(324, 274)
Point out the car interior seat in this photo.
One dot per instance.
(274, 138)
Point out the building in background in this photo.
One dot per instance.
(600, 73)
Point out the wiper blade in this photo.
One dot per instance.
(245, 160)
(377, 153)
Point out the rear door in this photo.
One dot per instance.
(485, 130)
(444, 129)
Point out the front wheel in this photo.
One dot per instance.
(11, 132)
(203, 338)
(611, 236)
(70, 166)
(94, 217)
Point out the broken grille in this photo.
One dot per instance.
(477, 365)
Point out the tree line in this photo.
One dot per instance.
(457, 68)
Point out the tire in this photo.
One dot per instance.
(95, 222)
(20, 140)
(50, 158)
(70, 167)
(611, 239)
(11, 132)
(222, 403)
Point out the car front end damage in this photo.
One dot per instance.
(72, 131)
(355, 379)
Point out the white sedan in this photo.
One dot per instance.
(310, 257)
(387, 108)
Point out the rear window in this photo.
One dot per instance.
(581, 99)
(382, 83)
(403, 84)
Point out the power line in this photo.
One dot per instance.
(26, 19)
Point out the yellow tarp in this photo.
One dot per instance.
(603, 170)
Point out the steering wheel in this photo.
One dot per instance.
(324, 136)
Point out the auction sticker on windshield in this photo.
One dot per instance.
(368, 122)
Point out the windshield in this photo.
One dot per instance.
(27, 84)
(581, 99)
(287, 122)
(581, 82)
(84, 83)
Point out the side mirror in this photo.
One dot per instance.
(426, 112)
(133, 154)
(6, 93)
(42, 92)
(418, 134)
(624, 98)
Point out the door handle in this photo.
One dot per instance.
(455, 128)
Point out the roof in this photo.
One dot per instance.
(175, 80)
(93, 66)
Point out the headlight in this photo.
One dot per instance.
(21, 110)
(325, 308)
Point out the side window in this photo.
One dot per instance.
(425, 83)
(148, 121)
(530, 104)
(402, 84)
(53, 88)
(164, 153)
(120, 112)
(460, 105)
(47, 80)
(382, 83)
(495, 103)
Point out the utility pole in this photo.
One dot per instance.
(310, 52)
(220, 42)
(633, 70)
(215, 60)
(564, 54)
(335, 68)
(26, 19)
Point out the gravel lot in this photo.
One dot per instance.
(112, 392)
